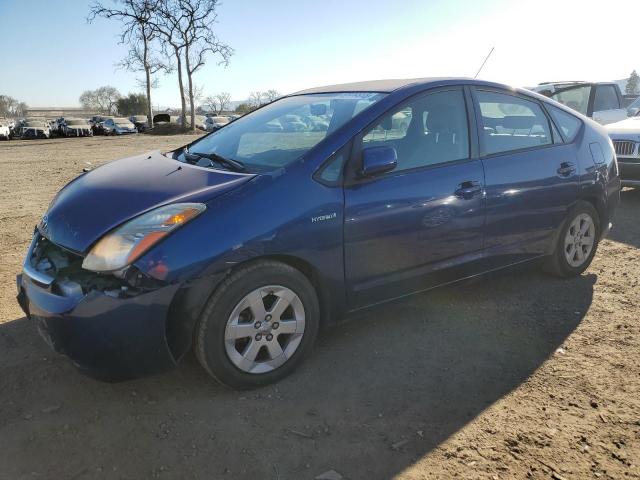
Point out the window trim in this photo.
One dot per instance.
(547, 108)
(515, 94)
(351, 176)
(347, 149)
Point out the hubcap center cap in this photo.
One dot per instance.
(265, 327)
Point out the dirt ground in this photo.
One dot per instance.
(515, 376)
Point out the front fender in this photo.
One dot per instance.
(280, 215)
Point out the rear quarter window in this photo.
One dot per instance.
(567, 123)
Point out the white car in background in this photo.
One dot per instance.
(626, 141)
(216, 123)
(34, 128)
(5, 133)
(633, 108)
(76, 127)
(601, 101)
(200, 121)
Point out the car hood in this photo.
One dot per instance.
(630, 126)
(100, 200)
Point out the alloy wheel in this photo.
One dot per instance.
(264, 329)
(579, 240)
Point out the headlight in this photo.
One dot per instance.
(127, 243)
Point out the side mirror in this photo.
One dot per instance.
(632, 112)
(378, 160)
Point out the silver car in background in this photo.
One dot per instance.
(216, 123)
(118, 126)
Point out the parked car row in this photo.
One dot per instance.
(39, 127)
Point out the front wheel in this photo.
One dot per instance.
(577, 243)
(258, 326)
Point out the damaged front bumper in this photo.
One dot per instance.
(109, 335)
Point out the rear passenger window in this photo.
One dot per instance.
(511, 123)
(429, 130)
(567, 123)
(606, 98)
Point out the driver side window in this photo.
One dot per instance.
(428, 130)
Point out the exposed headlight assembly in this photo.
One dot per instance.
(127, 243)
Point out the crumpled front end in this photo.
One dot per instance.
(79, 131)
(113, 328)
(29, 133)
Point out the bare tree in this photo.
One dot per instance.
(188, 27)
(211, 102)
(218, 103)
(272, 95)
(166, 22)
(256, 99)
(10, 107)
(224, 101)
(103, 99)
(138, 31)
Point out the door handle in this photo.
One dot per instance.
(566, 169)
(467, 190)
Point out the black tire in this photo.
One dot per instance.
(210, 332)
(557, 264)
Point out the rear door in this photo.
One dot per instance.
(530, 174)
(411, 228)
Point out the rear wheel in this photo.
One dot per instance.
(577, 243)
(258, 326)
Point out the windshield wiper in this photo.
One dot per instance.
(230, 163)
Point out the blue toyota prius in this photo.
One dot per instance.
(244, 242)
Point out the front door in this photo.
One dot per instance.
(404, 230)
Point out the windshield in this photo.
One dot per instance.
(635, 103)
(283, 131)
(574, 97)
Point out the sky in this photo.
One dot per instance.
(54, 54)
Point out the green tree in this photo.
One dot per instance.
(633, 84)
(132, 104)
(243, 108)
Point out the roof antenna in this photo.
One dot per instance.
(485, 61)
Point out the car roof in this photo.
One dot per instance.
(390, 85)
(382, 86)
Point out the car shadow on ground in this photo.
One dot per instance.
(626, 219)
(379, 392)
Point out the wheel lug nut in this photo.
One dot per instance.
(268, 318)
(269, 337)
(258, 336)
(275, 325)
(257, 324)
